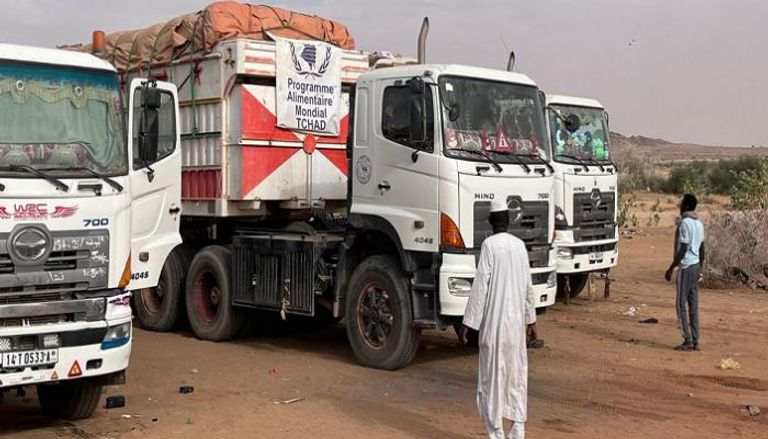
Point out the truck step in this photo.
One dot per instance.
(424, 324)
(423, 287)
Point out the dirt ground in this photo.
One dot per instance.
(601, 375)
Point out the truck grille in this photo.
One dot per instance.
(594, 216)
(587, 249)
(33, 321)
(78, 260)
(40, 293)
(531, 227)
(6, 264)
(539, 278)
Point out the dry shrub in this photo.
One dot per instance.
(737, 249)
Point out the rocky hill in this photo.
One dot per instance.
(671, 152)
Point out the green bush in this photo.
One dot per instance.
(704, 178)
(637, 172)
(723, 175)
(692, 178)
(750, 190)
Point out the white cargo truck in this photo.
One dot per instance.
(77, 202)
(586, 229)
(379, 223)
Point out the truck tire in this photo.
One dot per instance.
(577, 283)
(379, 315)
(209, 296)
(70, 400)
(160, 308)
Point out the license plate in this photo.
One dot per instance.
(594, 257)
(11, 360)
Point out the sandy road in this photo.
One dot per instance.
(601, 375)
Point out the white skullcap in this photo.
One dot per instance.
(499, 205)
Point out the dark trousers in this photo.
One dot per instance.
(688, 303)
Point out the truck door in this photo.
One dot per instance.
(155, 178)
(395, 175)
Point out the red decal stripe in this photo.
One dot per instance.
(259, 162)
(338, 157)
(259, 123)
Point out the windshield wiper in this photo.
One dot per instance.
(573, 157)
(517, 159)
(542, 161)
(495, 164)
(594, 160)
(115, 185)
(38, 173)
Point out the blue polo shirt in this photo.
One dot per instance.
(690, 232)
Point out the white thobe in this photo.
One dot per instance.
(501, 305)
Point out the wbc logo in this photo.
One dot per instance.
(36, 211)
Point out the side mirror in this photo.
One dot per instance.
(418, 122)
(416, 111)
(572, 123)
(417, 85)
(149, 127)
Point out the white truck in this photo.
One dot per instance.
(380, 224)
(586, 229)
(76, 202)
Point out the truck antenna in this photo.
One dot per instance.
(422, 54)
(511, 61)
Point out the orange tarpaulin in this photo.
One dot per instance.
(200, 31)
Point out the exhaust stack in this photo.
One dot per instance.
(98, 43)
(511, 61)
(422, 54)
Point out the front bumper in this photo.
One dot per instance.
(463, 266)
(584, 257)
(81, 353)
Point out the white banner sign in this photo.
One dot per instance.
(308, 86)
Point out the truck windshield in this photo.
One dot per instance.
(504, 120)
(587, 144)
(60, 119)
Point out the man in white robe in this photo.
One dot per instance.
(501, 307)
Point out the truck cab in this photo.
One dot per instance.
(76, 205)
(433, 145)
(586, 235)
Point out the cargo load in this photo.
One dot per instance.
(236, 160)
(221, 21)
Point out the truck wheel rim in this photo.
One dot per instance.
(375, 318)
(207, 296)
(152, 298)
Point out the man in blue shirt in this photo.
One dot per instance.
(689, 256)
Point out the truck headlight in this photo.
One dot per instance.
(117, 336)
(459, 287)
(51, 341)
(5, 344)
(552, 280)
(564, 253)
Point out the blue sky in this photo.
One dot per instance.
(685, 70)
